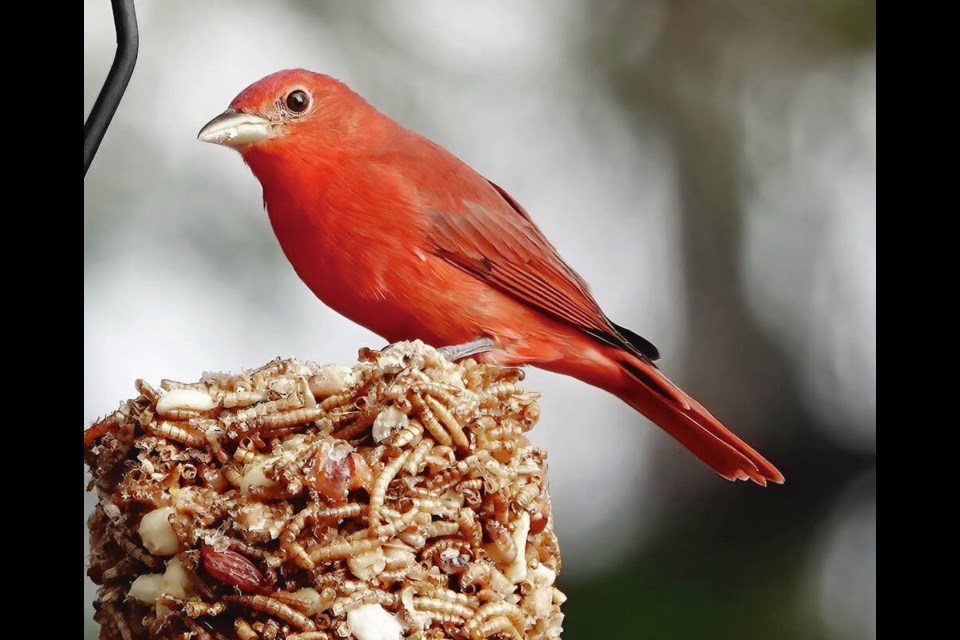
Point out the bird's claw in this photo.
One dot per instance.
(456, 352)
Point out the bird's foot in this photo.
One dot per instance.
(460, 351)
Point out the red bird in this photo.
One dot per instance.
(396, 233)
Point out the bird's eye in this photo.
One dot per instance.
(298, 101)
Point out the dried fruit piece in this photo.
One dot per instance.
(332, 473)
(232, 569)
(361, 476)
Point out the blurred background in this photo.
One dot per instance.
(709, 167)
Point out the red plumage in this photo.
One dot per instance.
(399, 235)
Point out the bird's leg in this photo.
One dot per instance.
(456, 352)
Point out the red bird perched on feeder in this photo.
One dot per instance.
(396, 233)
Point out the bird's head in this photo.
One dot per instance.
(286, 111)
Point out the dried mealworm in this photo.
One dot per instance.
(293, 600)
(281, 406)
(246, 451)
(244, 630)
(182, 530)
(275, 608)
(292, 531)
(412, 466)
(499, 625)
(364, 419)
(394, 575)
(550, 548)
(181, 414)
(498, 437)
(119, 621)
(329, 578)
(197, 608)
(268, 629)
(351, 510)
(246, 549)
(398, 556)
(430, 551)
(475, 578)
(436, 605)
(449, 595)
(232, 475)
(241, 399)
(464, 467)
(439, 528)
(178, 432)
(431, 423)
(431, 505)
(439, 390)
(474, 484)
(495, 392)
(336, 401)
(390, 529)
(441, 457)
(526, 495)
(408, 434)
(146, 390)
(275, 421)
(268, 370)
(492, 610)
(299, 555)
(363, 595)
(116, 571)
(379, 491)
(170, 385)
(342, 550)
(213, 436)
(531, 415)
(196, 631)
(131, 549)
(470, 527)
(453, 427)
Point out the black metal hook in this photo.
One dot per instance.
(128, 44)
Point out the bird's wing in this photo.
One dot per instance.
(497, 242)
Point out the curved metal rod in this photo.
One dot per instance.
(128, 44)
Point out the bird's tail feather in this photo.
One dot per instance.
(648, 391)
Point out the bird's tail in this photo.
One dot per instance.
(647, 390)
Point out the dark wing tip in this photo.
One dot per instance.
(638, 342)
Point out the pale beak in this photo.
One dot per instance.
(234, 129)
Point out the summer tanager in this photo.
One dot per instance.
(396, 233)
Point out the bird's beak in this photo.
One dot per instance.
(235, 129)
